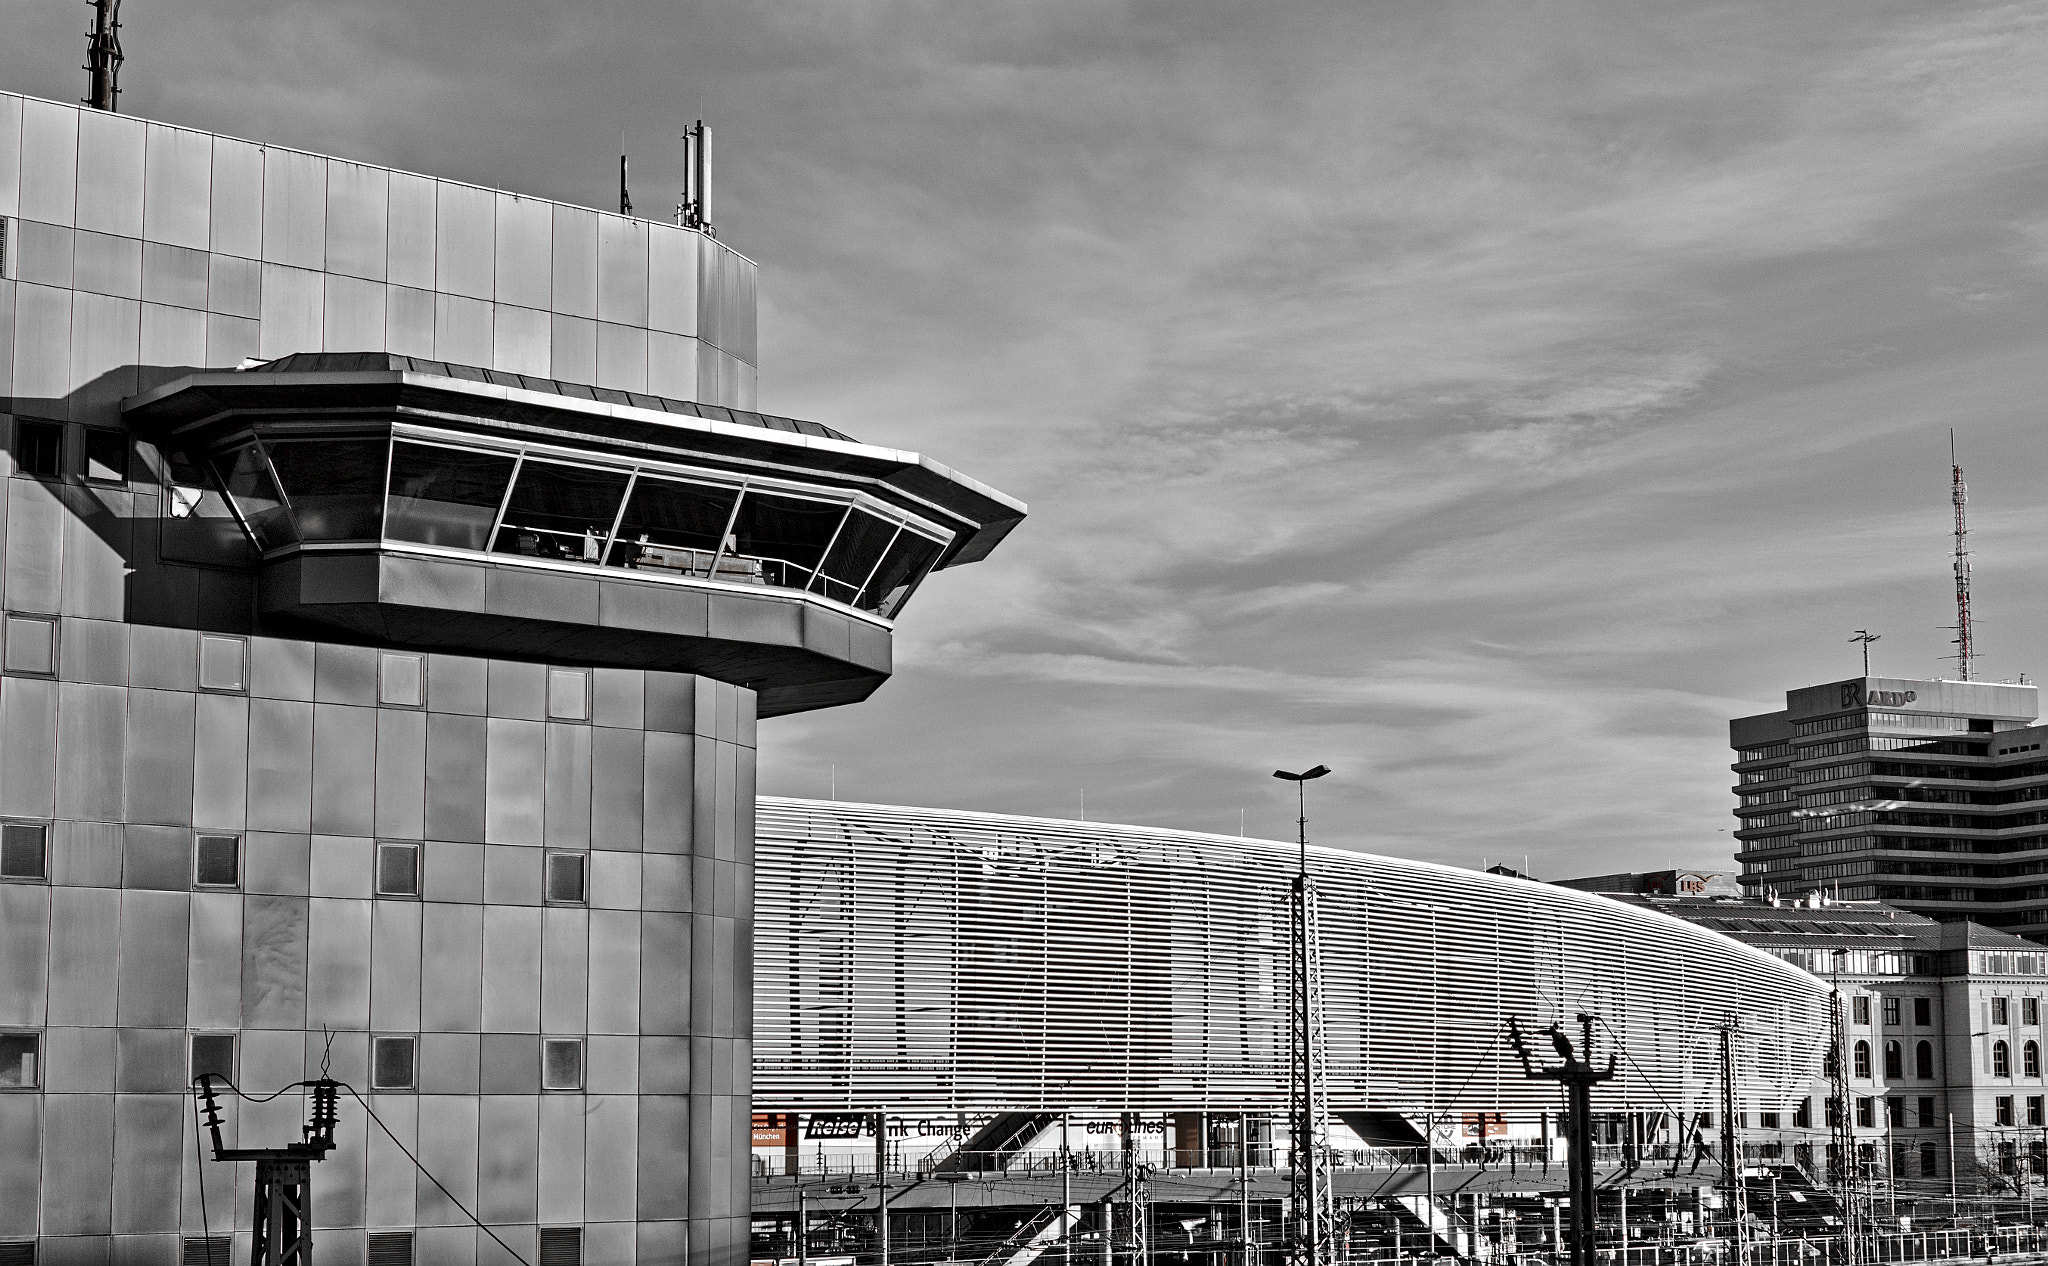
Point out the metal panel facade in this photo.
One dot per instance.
(932, 961)
(134, 249)
(474, 276)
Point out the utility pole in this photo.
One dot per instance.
(882, 1187)
(103, 56)
(1731, 1158)
(1578, 1075)
(1313, 1227)
(282, 1232)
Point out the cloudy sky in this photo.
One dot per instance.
(1486, 400)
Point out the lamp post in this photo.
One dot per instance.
(1309, 1188)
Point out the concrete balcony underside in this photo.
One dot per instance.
(797, 652)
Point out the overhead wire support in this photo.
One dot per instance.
(1578, 1074)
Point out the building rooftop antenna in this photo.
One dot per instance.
(1866, 637)
(1961, 494)
(625, 196)
(103, 56)
(694, 211)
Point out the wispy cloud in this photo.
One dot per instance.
(1486, 400)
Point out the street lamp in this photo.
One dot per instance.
(1301, 781)
(1309, 1185)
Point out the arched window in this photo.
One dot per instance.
(1863, 1059)
(1923, 1061)
(2001, 1060)
(2030, 1058)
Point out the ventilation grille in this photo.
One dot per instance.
(561, 1246)
(209, 1250)
(16, 1252)
(391, 1248)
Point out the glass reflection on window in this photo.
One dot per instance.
(336, 487)
(246, 476)
(445, 496)
(676, 527)
(784, 536)
(559, 511)
(861, 544)
(908, 559)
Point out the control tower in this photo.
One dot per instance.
(394, 572)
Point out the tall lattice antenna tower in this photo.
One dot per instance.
(1961, 494)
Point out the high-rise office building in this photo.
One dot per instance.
(1921, 794)
(394, 571)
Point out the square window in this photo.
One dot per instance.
(2030, 1010)
(565, 878)
(23, 854)
(2000, 1011)
(568, 694)
(31, 644)
(213, 1053)
(392, 1063)
(2003, 1109)
(402, 680)
(20, 1062)
(398, 870)
(1767, 1120)
(106, 455)
(39, 448)
(217, 861)
(1862, 1008)
(2034, 1111)
(561, 1065)
(1866, 1113)
(1923, 1012)
(1891, 1011)
(221, 663)
(1926, 1106)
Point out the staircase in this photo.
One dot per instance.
(991, 1147)
(1447, 1232)
(1045, 1227)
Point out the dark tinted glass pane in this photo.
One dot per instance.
(905, 564)
(18, 1064)
(445, 496)
(859, 547)
(219, 861)
(673, 526)
(565, 878)
(786, 536)
(21, 852)
(393, 1064)
(106, 455)
(39, 447)
(336, 487)
(398, 870)
(246, 476)
(562, 1064)
(561, 512)
(213, 1053)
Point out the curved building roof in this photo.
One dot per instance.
(931, 960)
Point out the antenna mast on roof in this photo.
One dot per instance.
(694, 211)
(625, 197)
(1964, 649)
(103, 55)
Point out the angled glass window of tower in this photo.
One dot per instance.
(396, 573)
